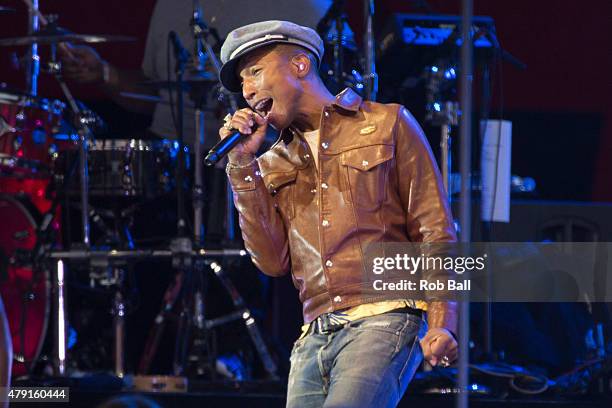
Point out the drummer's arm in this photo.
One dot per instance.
(120, 82)
(83, 65)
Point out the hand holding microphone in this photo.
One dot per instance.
(243, 134)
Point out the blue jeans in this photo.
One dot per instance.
(367, 363)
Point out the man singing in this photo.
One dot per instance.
(344, 174)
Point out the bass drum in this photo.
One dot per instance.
(25, 292)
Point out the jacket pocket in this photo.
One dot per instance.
(281, 186)
(365, 171)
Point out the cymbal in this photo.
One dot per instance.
(142, 97)
(56, 35)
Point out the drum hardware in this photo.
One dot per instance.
(143, 97)
(340, 66)
(203, 50)
(442, 111)
(188, 271)
(26, 287)
(6, 10)
(53, 35)
(181, 249)
(369, 61)
(112, 260)
(127, 168)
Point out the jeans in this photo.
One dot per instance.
(367, 363)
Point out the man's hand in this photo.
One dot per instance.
(243, 121)
(82, 64)
(439, 347)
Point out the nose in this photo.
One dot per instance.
(248, 89)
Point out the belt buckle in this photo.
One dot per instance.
(325, 327)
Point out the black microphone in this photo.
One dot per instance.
(223, 147)
(180, 53)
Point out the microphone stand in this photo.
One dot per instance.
(179, 70)
(181, 246)
(370, 76)
(204, 49)
(193, 286)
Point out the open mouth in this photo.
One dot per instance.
(264, 106)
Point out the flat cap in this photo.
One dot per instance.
(250, 37)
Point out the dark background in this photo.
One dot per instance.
(559, 105)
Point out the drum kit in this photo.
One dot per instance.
(49, 155)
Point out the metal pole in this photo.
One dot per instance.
(119, 325)
(33, 68)
(84, 132)
(446, 159)
(84, 173)
(371, 78)
(198, 188)
(465, 205)
(60, 339)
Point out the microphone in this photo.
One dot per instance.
(180, 53)
(223, 147)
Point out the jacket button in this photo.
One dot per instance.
(313, 191)
(337, 299)
(324, 145)
(306, 156)
(257, 173)
(364, 163)
(326, 114)
(325, 223)
(329, 263)
(248, 178)
(324, 186)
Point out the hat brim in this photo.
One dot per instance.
(228, 75)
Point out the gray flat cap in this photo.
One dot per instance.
(250, 37)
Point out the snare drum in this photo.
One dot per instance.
(127, 167)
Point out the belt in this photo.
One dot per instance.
(324, 325)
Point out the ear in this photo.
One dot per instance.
(302, 65)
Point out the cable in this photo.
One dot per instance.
(169, 80)
(513, 373)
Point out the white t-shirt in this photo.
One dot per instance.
(223, 15)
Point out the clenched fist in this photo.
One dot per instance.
(244, 121)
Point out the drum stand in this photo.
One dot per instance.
(192, 317)
(440, 79)
(189, 264)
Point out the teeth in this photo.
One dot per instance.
(261, 104)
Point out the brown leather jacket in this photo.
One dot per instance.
(376, 181)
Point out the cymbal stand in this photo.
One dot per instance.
(204, 50)
(82, 123)
(440, 85)
(193, 296)
(33, 66)
(370, 76)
